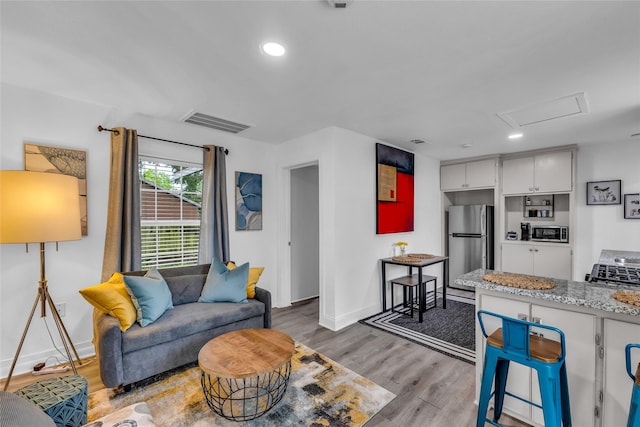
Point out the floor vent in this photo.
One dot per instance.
(215, 123)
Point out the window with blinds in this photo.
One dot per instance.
(170, 197)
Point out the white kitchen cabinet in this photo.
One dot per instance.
(537, 260)
(470, 175)
(579, 330)
(453, 177)
(617, 384)
(542, 173)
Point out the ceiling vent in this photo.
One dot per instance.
(567, 106)
(214, 122)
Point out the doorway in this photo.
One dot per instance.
(305, 233)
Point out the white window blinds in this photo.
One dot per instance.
(170, 196)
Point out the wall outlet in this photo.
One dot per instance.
(62, 308)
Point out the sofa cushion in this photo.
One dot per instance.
(252, 281)
(151, 296)
(185, 283)
(111, 297)
(186, 289)
(188, 319)
(225, 285)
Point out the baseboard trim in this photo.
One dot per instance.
(27, 361)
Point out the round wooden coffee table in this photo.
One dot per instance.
(245, 372)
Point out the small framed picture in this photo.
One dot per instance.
(632, 206)
(604, 192)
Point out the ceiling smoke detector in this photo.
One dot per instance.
(339, 4)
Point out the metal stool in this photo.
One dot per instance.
(634, 407)
(524, 343)
(409, 283)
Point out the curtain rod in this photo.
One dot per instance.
(100, 129)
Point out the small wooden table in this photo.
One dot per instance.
(245, 373)
(419, 265)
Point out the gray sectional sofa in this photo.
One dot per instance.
(177, 336)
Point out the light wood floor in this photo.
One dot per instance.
(432, 389)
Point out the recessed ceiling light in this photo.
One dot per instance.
(515, 136)
(466, 145)
(419, 141)
(633, 135)
(273, 49)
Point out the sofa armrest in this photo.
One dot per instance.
(264, 296)
(108, 343)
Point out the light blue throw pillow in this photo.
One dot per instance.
(150, 295)
(224, 285)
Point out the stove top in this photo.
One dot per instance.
(620, 267)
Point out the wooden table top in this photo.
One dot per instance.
(418, 262)
(246, 353)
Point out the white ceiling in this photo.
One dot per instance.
(393, 70)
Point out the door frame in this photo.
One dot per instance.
(283, 298)
(305, 169)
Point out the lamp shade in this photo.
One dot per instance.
(38, 207)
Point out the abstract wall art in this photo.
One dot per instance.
(39, 158)
(248, 201)
(395, 188)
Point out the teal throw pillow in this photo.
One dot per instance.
(150, 295)
(224, 285)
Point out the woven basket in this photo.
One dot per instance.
(421, 256)
(518, 281)
(628, 297)
(407, 259)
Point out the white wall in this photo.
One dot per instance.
(604, 227)
(31, 116)
(349, 246)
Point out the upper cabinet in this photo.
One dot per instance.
(470, 175)
(542, 173)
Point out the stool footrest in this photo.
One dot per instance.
(412, 280)
(522, 399)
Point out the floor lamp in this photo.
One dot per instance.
(39, 207)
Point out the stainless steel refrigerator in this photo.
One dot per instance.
(470, 239)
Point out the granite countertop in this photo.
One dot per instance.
(593, 295)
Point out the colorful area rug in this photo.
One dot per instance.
(321, 392)
(450, 331)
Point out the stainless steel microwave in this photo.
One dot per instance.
(550, 233)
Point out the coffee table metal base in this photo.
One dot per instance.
(243, 399)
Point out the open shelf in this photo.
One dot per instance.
(538, 206)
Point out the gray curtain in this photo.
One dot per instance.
(214, 223)
(122, 247)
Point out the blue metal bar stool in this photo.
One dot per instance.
(634, 407)
(525, 343)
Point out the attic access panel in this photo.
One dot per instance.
(566, 106)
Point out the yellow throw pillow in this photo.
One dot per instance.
(112, 298)
(254, 276)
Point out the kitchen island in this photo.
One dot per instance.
(597, 328)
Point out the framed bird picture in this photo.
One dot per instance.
(604, 192)
(632, 206)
